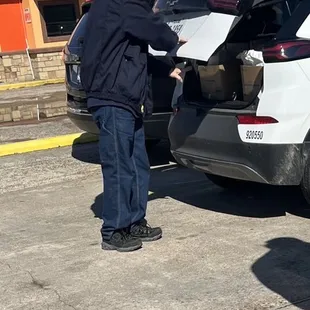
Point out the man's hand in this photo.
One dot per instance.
(182, 41)
(177, 74)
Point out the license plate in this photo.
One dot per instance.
(177, 26)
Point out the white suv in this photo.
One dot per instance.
(244, 112)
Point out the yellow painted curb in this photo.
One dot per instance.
(47, 143)
(30, 84)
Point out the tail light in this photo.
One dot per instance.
(287, 51)
(69, 57)
(236, 7)
(224, 4)
(74, 75)
(255, 120)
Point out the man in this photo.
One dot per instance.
(115, 75)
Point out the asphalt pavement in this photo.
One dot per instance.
(220, 250)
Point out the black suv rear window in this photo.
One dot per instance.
(234, 7)
(264, 21)
(77, 35)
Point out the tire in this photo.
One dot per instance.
(227, 183)
(305, 183)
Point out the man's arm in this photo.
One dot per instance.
(165, 66)
(160, 67)
(141, 23)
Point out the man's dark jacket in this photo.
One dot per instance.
(115, 64)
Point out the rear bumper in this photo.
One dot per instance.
(268, 171)
(155, 128)
(210, 143)
(83, 121)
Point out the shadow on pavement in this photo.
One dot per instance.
(258, 200)
(285, 270)
(88, 153)
(192, 187)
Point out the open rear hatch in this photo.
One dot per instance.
(204, 23)
(223, 36)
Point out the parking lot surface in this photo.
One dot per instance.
(220, 250)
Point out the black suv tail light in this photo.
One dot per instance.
(287, 51)
(225, 4)
(73, 75)
(236, 7)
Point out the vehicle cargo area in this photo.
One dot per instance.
(233, 76)
(225, 81)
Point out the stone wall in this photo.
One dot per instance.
(46, 64)
(16, 112)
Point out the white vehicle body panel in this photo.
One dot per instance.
(285, 97)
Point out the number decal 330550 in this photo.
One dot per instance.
(254, 135)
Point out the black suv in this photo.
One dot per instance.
(162, 88)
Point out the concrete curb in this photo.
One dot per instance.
(46, 143)
(30, 84)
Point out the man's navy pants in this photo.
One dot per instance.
(125, 168)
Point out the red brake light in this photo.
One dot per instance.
(255, 120)
(287, 51)
(235, 7)
(224, 4)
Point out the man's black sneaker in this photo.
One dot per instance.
(122, 241)
(142, 231)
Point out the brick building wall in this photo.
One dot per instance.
(17, 112)
(46, 64)
(15, 67)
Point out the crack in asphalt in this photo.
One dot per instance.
(45, 286)
(37, 283)
(61, 300)
(6, 264)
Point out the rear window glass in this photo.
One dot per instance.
(264, 21)
(225, 6)
(163, 5)
(76, 38)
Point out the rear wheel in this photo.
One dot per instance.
(226, 183)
